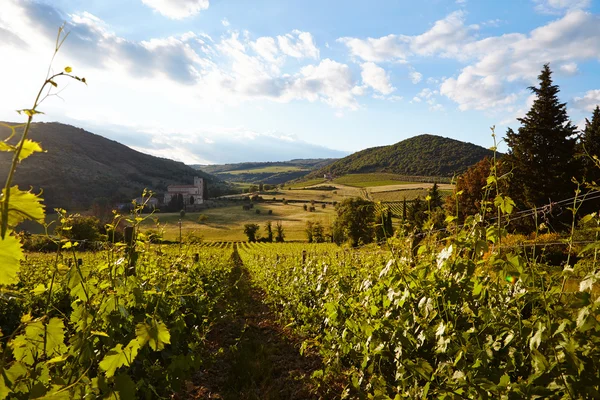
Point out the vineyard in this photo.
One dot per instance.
(463, 311)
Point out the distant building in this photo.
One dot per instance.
(191, 194)
(328, 176)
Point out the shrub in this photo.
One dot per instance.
(257, 211)
(77, 227)
(250, 230)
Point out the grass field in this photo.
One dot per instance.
(304, 184)
(227, 223)
(369, 180)
(408, 194)
(275, 169)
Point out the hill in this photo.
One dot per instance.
(79, 168)
(265, 172)
(423, 155)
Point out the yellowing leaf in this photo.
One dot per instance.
(23, 206)
(156, 333)
(4, 390)
(39, 289)
(10, 256)
(55, 337)
(118, 357)
(58, 359)
(6, 147)
(98, 333)
(29, 147)
(68, 70)
(26, 318)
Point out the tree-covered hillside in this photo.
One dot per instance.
(266, 172)
(80, 167)
(424, 155)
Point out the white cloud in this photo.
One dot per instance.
(510, 60)
(430, 97)
(387, 48)
(569, 68)
(444, 38)
(225, 22)
(497, 66)
(415, 77)
(298, 44)
(589, 101)
(267, 48)
(177, 9)
(376, 77)
(558, 6)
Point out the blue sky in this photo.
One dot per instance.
(214, 81)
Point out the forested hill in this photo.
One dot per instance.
(266, 172)
(423, 155)
(79, 167)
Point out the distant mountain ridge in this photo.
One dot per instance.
(80, 167)
(422, 155)
(266, 172)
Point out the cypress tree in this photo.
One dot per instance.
(542, 152)
(590, 141)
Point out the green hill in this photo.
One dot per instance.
(265, 172)
(423, 155)
(79, 167)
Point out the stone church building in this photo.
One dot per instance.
(191, 194)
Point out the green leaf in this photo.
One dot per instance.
(29, 112)
(39, 289)
(10, 256)
(504, 381)
(29, 147)
(4, 390)
(125, 386)
(118, 357)
(55, 337)
(505, 203)
(155, 332)
(23, 206)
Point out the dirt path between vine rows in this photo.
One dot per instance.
(254, 357)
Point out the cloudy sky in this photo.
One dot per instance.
(214, 81)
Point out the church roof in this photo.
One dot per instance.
(181, 186)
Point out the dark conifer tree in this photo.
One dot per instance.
(542, 152)
(590, 142)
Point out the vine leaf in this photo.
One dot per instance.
(29, 147)
(10, 256)
(118, 357)
(156, 333)
(4, 390)
(55, 337)
(23, 206)
(125, 386)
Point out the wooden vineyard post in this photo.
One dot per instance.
(196, 257)
(303, 257)
(131, 253)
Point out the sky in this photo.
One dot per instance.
(221, 81)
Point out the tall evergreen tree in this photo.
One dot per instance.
(590, 141)
(542, 152)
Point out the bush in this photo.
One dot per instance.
(305, 207)
(250, 230)
(270, 212)
(257, 211)
(77, 227)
